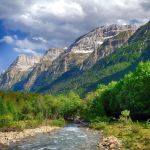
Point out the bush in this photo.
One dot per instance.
(125, 113)
(40, 116)
(125, 117)
(6, 120)
(57, 122)
(147, 124)
(98, 125)
(101, 119)
(135, 128)
(17, 126)
(32, 123)
(28, 117)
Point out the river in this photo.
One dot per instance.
(70, 137)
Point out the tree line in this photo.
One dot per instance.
(131, 93)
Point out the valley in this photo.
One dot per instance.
(102, 79)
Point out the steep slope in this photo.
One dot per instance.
(17, 71)
(111, 67)
(42, 67)
(82, 48)
(108, 47)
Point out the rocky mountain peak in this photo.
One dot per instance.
(42, 67)
(114, 36)
(52, 54)
(24, 62)
(95, 38)
(18, 70)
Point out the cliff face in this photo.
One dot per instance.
(18, 70)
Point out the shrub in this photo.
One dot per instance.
(28, 117)
(147, 124)
(40, 116)
(135, 128)
(17, 126)
(32, 123)
(98, 125)
(125, 113)
(6, 120)
(125, 117)
(57, 122)
(101, 119)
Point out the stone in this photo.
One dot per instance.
(112, 146)
(110, 143)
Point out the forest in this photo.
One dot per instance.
(130, 93)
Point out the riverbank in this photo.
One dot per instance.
(6, 138)
(133, 135)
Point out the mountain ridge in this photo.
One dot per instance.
(79, 55)
(18, 70)
(133, 51)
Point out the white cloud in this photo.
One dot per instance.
(26, 45)
(41, 39)
(59, 22)
(23, 50)
(59, 8)
(7, 39)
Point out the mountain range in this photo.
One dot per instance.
(104, 54)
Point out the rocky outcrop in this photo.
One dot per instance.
(18, 70)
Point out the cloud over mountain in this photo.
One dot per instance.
(56, 23)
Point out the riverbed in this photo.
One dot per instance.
(70, 137)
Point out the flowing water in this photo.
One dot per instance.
(67, 138)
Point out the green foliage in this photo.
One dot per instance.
(125, 113)
(5, 120)
(133, 135)
(98, 125)
(125, 117)
(35, 108)
(17, 126)
(130, 93)
(101, 119)
(3, 107)
(147, 124)
(57, 122)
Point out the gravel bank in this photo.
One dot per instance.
(6, 138)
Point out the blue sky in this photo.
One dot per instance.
(31, 27)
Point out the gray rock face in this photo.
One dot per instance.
(18, 70)
(43, 66)
(82, 54)
(109, 45)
